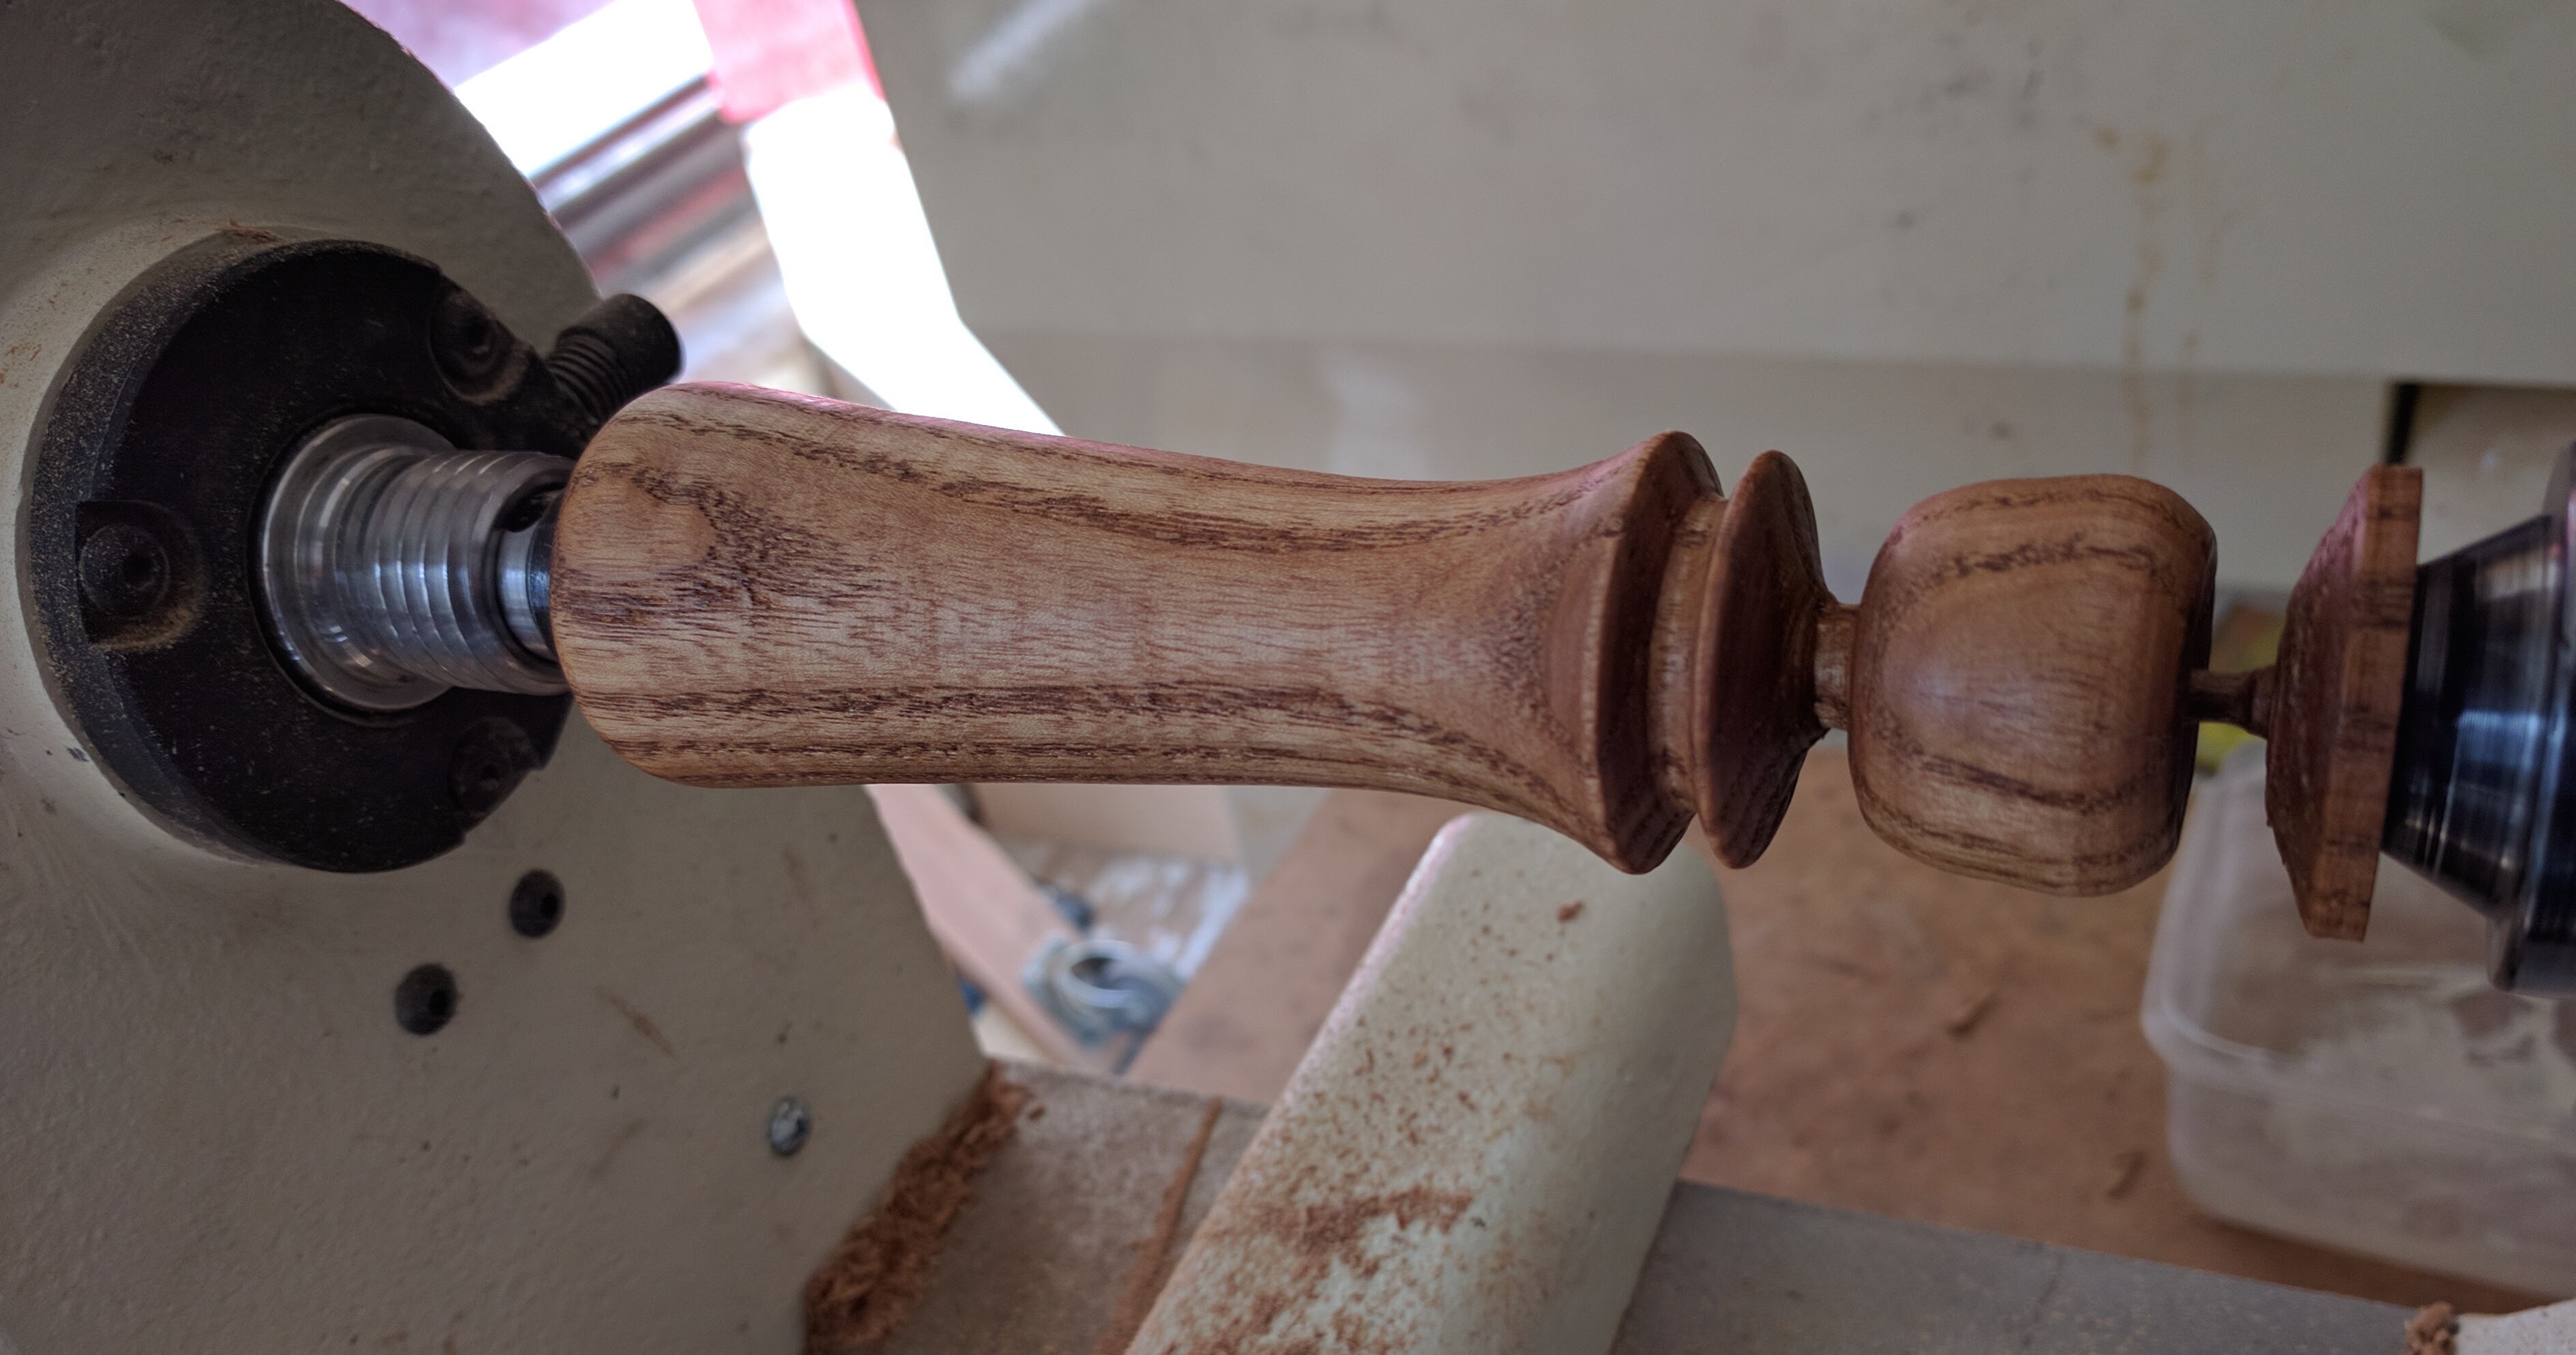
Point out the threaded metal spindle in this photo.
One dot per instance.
(395, 567)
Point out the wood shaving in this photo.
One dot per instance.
(2435, 1330)
(882, 1267)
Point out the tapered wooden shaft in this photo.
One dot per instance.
(755, 589)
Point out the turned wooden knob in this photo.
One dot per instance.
(2019, 674)
(758, 589)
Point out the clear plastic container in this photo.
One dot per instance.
(2380, 1097)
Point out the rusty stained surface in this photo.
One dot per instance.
(1039, 1261)
(1324, 1235)
(1475, 1153)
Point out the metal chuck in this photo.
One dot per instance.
(2480, 800)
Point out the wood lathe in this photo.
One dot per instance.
(357, 992)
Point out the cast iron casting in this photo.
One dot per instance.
(156, 450)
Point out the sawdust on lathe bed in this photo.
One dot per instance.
(882, 1266)
(1153, 1263)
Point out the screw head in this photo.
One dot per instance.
(425, 1000)
(124, 570)
(789, 1125)
(536, 904)
(469, 344)
(489, 762)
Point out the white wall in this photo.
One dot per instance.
(1911, 243)
(2347, 187)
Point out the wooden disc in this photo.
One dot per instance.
(1754, 716)
(2336, 692)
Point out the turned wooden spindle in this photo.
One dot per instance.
(757, 589)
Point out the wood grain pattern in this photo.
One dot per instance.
(754, 589)
(758, 589)
(2333, 701)
(2018, 674)
(1754, 711)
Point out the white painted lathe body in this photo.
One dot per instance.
(213, 1135)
